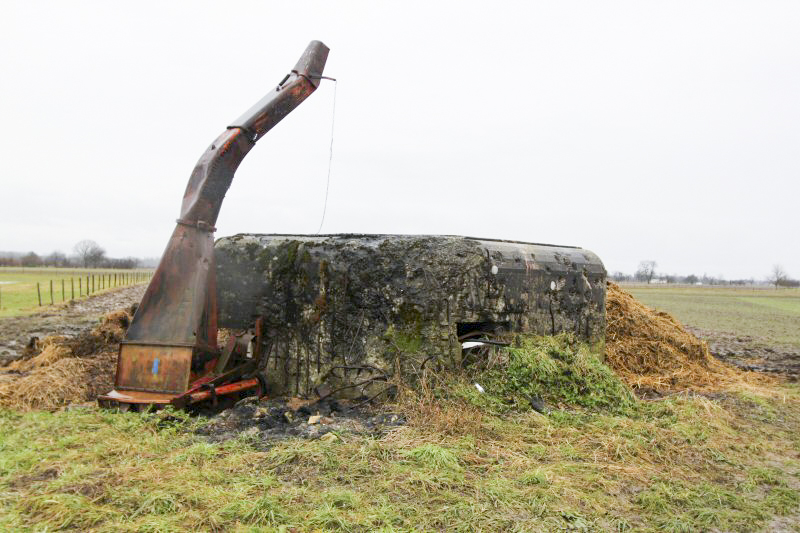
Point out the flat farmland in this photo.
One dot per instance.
(757, 328)
(19, 294)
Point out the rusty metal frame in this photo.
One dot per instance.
(179, 307)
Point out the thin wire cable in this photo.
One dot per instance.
(330, 160)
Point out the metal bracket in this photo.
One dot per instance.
(202, 225)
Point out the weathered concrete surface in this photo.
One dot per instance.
(344, 309)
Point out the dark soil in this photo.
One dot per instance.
(751, 353)
(266, 420)
(70, 320)
(45, 475)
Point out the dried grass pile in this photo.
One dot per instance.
(66, 370)
(649, 349)
(51, 349)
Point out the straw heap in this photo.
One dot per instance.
(66, 370)
(649, 349)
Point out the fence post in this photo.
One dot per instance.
(39, 293)
(62, 289)
(71, 288)
(51, 292)
(92, 282)
(80, 287)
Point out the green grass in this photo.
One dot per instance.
(769, 314)
(18, 293)
(557, 369)
(681, 463)
(102, 471)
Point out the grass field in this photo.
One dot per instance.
(465, 462)
(769, 314)
(600, 460)
(18, 294)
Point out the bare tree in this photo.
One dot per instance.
(646, 271)
(778, 276)
(56, 259)
(89, 253)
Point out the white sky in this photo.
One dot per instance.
(639, 130)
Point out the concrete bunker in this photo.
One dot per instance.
(343, 313)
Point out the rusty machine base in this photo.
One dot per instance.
(170, 354)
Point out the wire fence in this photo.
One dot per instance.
(50, 288)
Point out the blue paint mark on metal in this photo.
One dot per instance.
(155, 365)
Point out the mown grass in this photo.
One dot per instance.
(769, 314)
(467, 461)
(18, 293)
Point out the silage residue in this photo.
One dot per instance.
(649, 349)
(66, 370)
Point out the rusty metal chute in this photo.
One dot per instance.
(170, 350)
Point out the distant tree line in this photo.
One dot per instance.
(646, 273)
(86, 254)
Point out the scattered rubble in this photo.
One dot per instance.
(267, 420)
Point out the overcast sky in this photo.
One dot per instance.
(639, 130)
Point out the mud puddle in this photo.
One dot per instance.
(751, 353)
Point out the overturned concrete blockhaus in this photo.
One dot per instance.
(345, 310)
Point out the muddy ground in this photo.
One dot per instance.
(270, 419)
(70, 320)
(751, 352)
(266, 420)
(262, 420)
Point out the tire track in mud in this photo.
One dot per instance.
(71, 319)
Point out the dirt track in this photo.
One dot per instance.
(16, 332)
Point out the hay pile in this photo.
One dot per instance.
(649, 349)
(66, 370)
(51, 349)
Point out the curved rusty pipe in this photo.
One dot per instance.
(179, 306)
